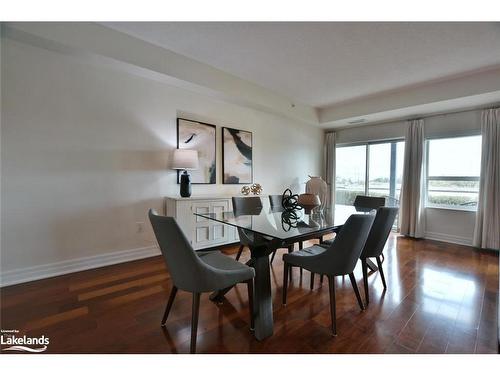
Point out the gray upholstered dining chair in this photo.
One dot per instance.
(243, 206)
(337, 260)
(366, 201)
(375, 243)
(362, 201)
(275, 201)
(191, 272)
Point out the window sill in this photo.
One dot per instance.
(474, 210)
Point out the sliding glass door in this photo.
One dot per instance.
(350, 173)
(374, 169)
(379, 170)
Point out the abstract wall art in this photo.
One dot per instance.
(194, 135)
(237, 156)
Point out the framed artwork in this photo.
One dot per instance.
(195, 135)
(236, 156)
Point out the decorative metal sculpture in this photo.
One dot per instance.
(245, 190)
(290, 201)
(291, 215)
(290, 219)
(256, 189)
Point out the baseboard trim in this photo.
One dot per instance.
(22, 275)
(448, 238)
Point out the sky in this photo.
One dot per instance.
(455, 156)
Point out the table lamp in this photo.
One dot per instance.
(185, 160)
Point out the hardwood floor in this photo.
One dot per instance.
(441, 298)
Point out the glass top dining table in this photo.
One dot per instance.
(286, 225)
(271, 229)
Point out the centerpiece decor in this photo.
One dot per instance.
(245, 190)
(290, 217)
(309, 201)
(256, 189)
(290, 201)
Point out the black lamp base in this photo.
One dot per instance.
(185, 185)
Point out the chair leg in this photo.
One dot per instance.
(240, 250)
(170, 302)
(311, 282)
(364, 266)
(194, 321)
(333, 313)
(272, 257)
(382, 276)
(290, 250)
(356, 290)
(371, 265)
(250, 303)
(285, 282)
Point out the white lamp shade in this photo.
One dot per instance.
(185, 159)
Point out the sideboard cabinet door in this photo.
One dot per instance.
(201, 232)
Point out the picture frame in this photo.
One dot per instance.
(200, 136)
(237, 156)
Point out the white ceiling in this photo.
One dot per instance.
(321, 64)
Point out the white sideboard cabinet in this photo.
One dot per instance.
(201, 232)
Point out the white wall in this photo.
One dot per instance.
(441, 224)
(85, 153)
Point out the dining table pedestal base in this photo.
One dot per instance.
(263, 302)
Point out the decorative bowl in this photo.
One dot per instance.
(309, 201)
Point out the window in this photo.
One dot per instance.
(350, 173)
(453, 166)
(385, 169)
(369, 169)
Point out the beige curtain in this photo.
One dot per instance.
(487, 230)
(329, 167)
(412, 192)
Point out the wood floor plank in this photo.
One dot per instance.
(134, 296)
(56, 318)
(121, 286)
(115, 277)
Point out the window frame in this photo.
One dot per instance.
(428, 178)
(367, 156)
